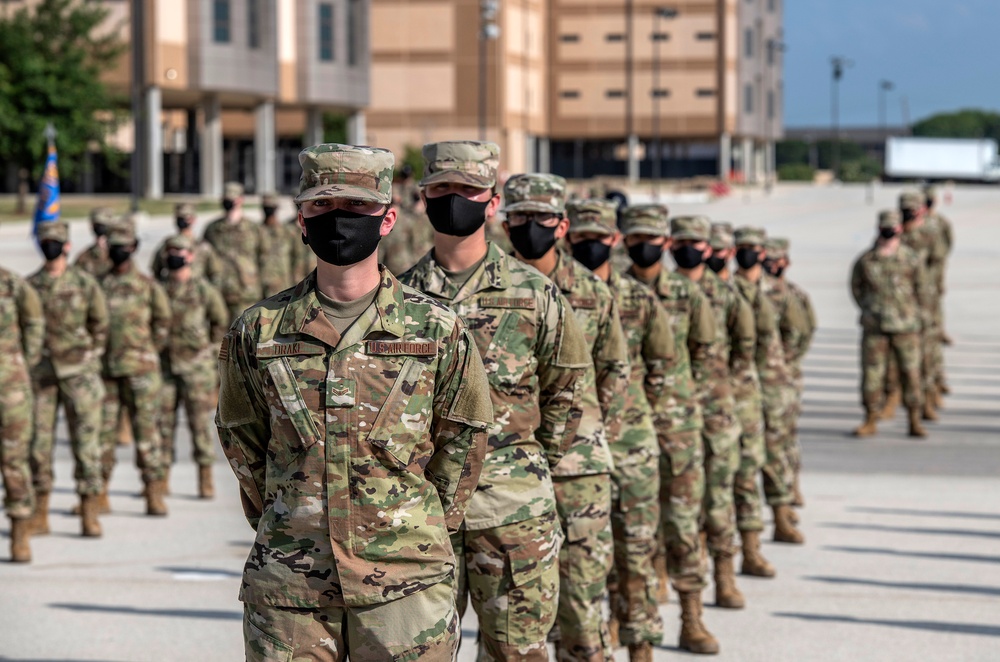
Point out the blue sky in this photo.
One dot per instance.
(941, 54)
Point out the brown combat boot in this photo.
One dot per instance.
(103, 503)
(206, 489)
(642, 652)
(38, 523)
(154, 499)
(944, 389)
(754, 563)
(797, 499)
(20, 536)
(727, 595)
(916, 427)
(613, 627)
(784, 530)
(889, 409)
(166, 481)
(694, 637)
(929, 413)
(662, 578)
(125, 437)
(946, 340)
(869, 427)
(90, 504)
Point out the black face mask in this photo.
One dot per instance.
(52, 249)
(175, 262)
(343, 237)
(645, 255)
(909, 215)
(591, 253)
(455, 215)
(716, 263)
(269, 211)
(747, 257)
(100, 230)
(183, 222)
(887, 233)
(228, 204)
(688, 257)
(532, 240)
(771, 267)
(119, 254)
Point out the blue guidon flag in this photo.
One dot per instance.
(47, 210)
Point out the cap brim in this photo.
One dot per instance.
(342, 191)
(457, 177)
(647, 229)
(533, 206)
(591, 227)
(688, 236)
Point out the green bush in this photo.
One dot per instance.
(795, 172)
(860, 170)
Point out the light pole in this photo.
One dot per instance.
(774, 48)
(839, 64)
(884, 86)
(630, 138)
(138, 115)
(489, 30)
(664, 13)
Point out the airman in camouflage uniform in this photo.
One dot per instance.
(535, 210)
(887, 283)
(750, 413)
(139, 327)
(238, 243)
(22, 333)
(412, 235)
(94, 260)
(207, 263)
(356, 430)
(677, 416)
(69, 374)
(734, 342)
(535, 354)
(277, 249)
(635, 508)
(198, 324)
(945, 233)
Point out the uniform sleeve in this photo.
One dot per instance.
(462, 415)
(742, 335)
(32, 320)
(161, 317)
(217, 313)
(158, 265)
(658, 352)
(810, 319)
(794, 327)
(97, 318)
(701, 334)
(858, 284)
(612, 367)
(242, 420)
(561, 351)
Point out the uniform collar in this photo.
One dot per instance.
(563, 275)
(493, 273)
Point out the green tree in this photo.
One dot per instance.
(968, 123)
(52, 59)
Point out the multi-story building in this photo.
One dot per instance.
(569, 82)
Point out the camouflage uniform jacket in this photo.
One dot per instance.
(735, 337)
(928, 245)
(22, 327)
(744, 376)
(76, 329)
(303, 259)
(276, 249)
(199, 322)
(139, 316)
(769, 355)
(806, 304)
(355, 454)
(409, 240)
(534, 354)
(239, 247)
(888, 291)
(693, 325)
(207, 264)
(602, 398)
(942, 229)
(94, 261)
(792, 322)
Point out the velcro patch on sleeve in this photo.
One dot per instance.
(584, 303)
(268, 351)
(400, 348)
(526, 303)
(224, 348)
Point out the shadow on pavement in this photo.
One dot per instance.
(944, 556)
(173, 613)
(970, 533)
(932, 626)
(923, 513)
(208, 572)
(915, 586)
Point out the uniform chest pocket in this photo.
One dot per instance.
(6, 312)
(405, 415)
(509, 353)
(294, 408)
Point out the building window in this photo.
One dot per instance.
(253, 23)
(355, 30)
(614, 36)
(221, 21)
(615, 94)
(325, 31)
(748, 99)
(569, 94)
(748, 42)
(569, 38)
(705, 92)
(660, 36)
(772, 5)
(660, 93)
(770, 104)
(705, 36)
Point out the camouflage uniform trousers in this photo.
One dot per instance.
(139, 395)
(635, 517)
(423, 625)
(195, 389)
(15, 451)
(879, 352)
(682, 492)
(585, 560)
(81, 396)
(721, 436)
(779, 412)
(511, 572)
(746, 485)
(795, 448)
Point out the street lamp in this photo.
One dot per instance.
(884, 86)
(489, 31)
(666, 13)
(839, 63)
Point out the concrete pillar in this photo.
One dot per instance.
(544, 155)
(530, 153)
(314, 127)
(152, 150)
(770, 161)
(357, 131)
(264, 146)
(747, 161)
(725, 156)
(633, 159)
(211, 148)
(760, 167)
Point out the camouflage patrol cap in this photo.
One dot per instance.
(930, 192)
(129, 220)
(911, 200)
(646, 219)
(722, 236)
(461, 162)
(889, 218)
(102, 216)
(750, 236)
(695, 228)
(184, 209)
(269, 200)
(777, 247)
(346, 171)
(535, 192)
(53, 231)
(180, 242)
(121, 234)
(232, 190)
(600, 216)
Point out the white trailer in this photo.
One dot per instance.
(942, 158)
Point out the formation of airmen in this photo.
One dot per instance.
(534, 415)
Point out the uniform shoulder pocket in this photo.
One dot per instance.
(234, 397)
